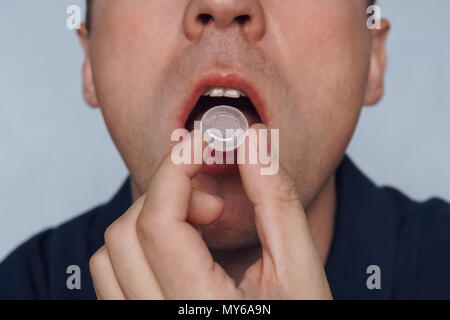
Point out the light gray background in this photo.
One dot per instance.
(57, 160)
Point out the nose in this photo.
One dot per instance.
(248, 15)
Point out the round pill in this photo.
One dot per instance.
(224, 128)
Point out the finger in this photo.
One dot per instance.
(279, 217)
(204, 208)
(105, 283)
(179, 257)
(289, 255)
(128, 260)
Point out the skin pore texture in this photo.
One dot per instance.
(313, 63)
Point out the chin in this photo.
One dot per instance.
(235, 230)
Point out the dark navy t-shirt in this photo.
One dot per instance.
(385, 246)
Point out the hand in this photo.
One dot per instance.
(153, 251)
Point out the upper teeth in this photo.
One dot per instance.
(224, 92)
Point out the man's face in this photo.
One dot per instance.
(309, 66)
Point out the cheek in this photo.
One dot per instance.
(326, 60)
(129, 56)
(326, 52)
(131, 49)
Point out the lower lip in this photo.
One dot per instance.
(222, 169)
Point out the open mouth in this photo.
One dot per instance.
(216, 96)
(219, 90)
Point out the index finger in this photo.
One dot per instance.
(176, 251)
(279, 216)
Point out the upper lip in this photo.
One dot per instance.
(228, 80)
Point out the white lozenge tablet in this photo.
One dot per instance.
(224, 128)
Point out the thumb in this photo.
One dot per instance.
(279, 216)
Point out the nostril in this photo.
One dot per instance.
(204, 18)
(242, 19)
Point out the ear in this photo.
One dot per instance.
(89, 92)
(378, 62)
